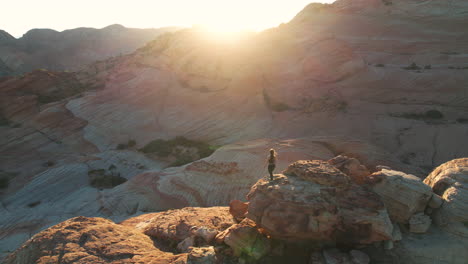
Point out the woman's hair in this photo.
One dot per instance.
(272, 152)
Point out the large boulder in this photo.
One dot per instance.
(315, 201)
(403, 194)
(450, 181)
(245, 239)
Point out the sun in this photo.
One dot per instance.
(223, 17)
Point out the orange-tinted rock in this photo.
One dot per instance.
(297, 207)
(82, 240)
(177, 225)
(318, 172)
(351, 167)
(238, 209)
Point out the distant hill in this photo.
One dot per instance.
(69, 50)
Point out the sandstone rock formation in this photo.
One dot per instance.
(403, 194)
(302, 216)
(90, 240)
(175, 226)
(315, 201)
(450, 181)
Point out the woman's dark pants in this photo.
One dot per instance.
(271, 168)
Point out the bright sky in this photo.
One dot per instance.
(19, 16)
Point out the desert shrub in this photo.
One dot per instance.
(4, 121)
(121, 146)
(102, 179)
(412, 66)
(458, 67)
(275, 106)
(434, 114)
(181, 160)
(5, 178)
(387, 2)
(342, 106)
(4, 182)
(164, 148)
(131, 143)
(34, 204)
(280, 107)
(97, 172)
(449, 53)
(462, 120)
(49, 163)
(427, 116)
(160, 147)
(106, 181)
(45, 99)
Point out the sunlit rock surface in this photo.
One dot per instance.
(450, 181)
(403, 194)
(91, 240)
(315, 201)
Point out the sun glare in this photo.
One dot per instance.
(221, 17)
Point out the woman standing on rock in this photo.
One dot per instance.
(271, 163)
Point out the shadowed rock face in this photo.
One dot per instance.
(305, 204)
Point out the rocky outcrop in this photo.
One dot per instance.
(450, 182)
(189, 226)
(315, 201)
(403, 194)
(302, 216)
(91, 240)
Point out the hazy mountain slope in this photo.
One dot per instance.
(71, 49)
(4, 70)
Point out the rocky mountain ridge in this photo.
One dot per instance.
(69, 50)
